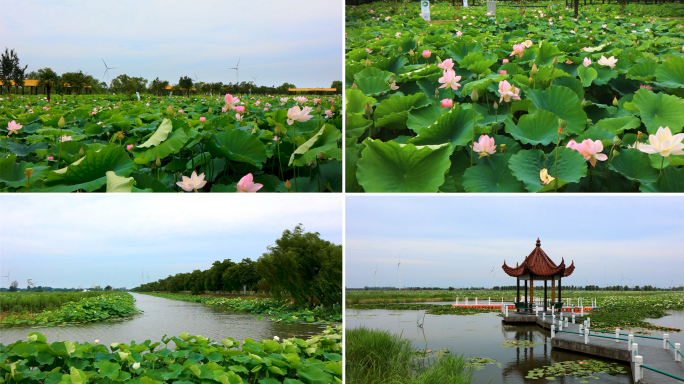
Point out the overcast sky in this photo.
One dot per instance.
(294, 41)
(72, 240)
(456, 240)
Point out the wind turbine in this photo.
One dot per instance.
(10, 271)
(142, 278)
(623, 277)
(236, 70)
(148, 278)
(106, 73)
(376, 275)
(252, 82)
(399, 271)
(630, 282)
(493, 275)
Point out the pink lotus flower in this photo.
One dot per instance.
(265, 109)
(518, 50)
(446, 64)
(240, 109)
(50, 158)
(238, 117)
(484, 146)
(223, 109)
(589, 149)
(202, 119)
(13, 127)
(502, 72)
(586, 62)
(129, 146)
(427, 53)
(296, 114)
(192, 183)
(247, 184)
(459, 34)
(231, 101)
(507, 91)
(447, 103)
(180, 111)
(316, 101)
(148, 104)
(504, 61)
(328, 113)
(66, 138)
(645, 86)
(449, 80)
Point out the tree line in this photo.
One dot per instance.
(300, 265)
(11, 72)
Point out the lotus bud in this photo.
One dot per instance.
(562, 123)
(108, 133)
(584, 102)
(211, 111)
(496, 107)
(473, 95)
(617, 140)
(29, 172)
(153, 166)
(399, 49)
(169, 110)
(368, 63)
(288, 185)
(503, 148)
(437, 93)
(531, 80)
(80, 152)
(354, 86)
(589, 122)
(158, 162)
(615, 152)
(318, 110)
(535, 70)
(411, 53)
(639, 135)
(555, 61)
(61, 122)
(332, 108)
(615, 102)
(368, 110)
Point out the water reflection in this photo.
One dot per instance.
(170, 317)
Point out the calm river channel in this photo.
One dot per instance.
(170, 317)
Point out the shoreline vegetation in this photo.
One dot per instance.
(280, 311)
(194, 359)
(615, 309)
(47, 309)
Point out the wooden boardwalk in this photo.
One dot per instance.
(657, 358)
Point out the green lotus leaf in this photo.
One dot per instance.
(546, 53)
(671, 72)
(172, 143)
(455, 127)
(659, 110)
(527, 165)
(119, 184)
(492, 175)
(643, 71)
(90, 172)
(540, 127)
(324, 140)
(21, 149)
(238, 145)
(13, 174)
(392, 167)
(563, 102)
(393, 111)
(586, 74)
(619, 124)
(634, 165)
(355, 101)
(372, 86)
(596, 133)
(161, 134)
(304, 184)
(424, 117)
(372, 72)
(605, 75)
(671, 180)
(314, 375)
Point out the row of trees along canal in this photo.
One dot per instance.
(300, 265)
(11, 72)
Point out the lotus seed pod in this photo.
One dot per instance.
(615, 153)
(474, 95)
(617, 140)
(61, 122)
(615, 102)
(555, 61)
(120, 135)
(561, 130)
(29, 172)
(503, 148)
(495, 124)
(288, 185)
(562, 123)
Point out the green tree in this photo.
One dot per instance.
(76, 80)
(157, 87)
(47, 78)
(337, 85)
(305, 266)
(185, 84)
(10, 70)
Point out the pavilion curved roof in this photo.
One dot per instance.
(539, 264)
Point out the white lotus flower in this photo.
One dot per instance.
(136, 365)
(610, 62)
(664, 143)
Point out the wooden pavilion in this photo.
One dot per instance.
(34, 88)
(315, 91)
(538, 266)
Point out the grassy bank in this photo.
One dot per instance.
(429, 308)
(35, 302)
(194, 359)
(105, 306)
(376, 356)
(278, 311)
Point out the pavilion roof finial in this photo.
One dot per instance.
(538, 242)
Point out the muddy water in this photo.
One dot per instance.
(170, 317)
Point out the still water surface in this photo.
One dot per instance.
(479, 336)
(170, 317)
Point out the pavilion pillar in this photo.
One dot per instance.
(517, 291)
(559, 289)
(545, 301)
(553, 290)
(531, 289)
(525, 292)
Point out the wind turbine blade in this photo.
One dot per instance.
(238, 64)
(104, 63)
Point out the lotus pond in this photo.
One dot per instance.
(96, 143)
(524, 101)
(286, 353)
